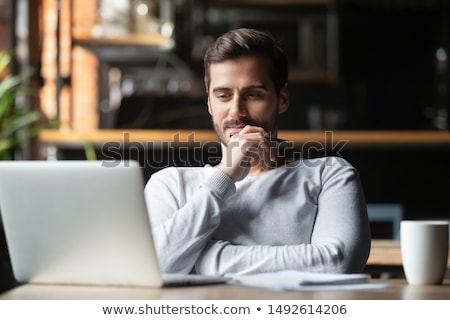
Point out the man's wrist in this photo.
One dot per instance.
(220, 182)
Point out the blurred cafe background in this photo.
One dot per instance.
(358, 66)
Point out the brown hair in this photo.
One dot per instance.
(244, 41)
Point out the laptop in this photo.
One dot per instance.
(81, 222)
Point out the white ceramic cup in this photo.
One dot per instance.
(424, 248)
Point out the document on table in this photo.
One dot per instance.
(297, 280)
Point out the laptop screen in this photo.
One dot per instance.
(77, 222)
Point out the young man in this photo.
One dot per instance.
(256, 211)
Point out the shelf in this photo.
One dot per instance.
(70, 138)
(154, 39)
(229, 3)
(129, 48)
(63, 138)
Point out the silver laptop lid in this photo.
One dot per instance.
(77, 222)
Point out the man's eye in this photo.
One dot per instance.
(253, 95)
(222, 96)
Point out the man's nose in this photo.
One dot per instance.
(237, 107)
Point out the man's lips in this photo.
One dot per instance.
(234, 126)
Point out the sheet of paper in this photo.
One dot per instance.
(296, 280)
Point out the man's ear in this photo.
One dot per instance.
(284, 100)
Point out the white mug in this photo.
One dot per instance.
(424, 248)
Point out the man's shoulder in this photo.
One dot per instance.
(320, 163)
(322, 168)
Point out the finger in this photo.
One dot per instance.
(249, 129)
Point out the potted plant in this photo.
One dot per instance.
(18, 123)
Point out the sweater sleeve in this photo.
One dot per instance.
(340, 241)
(182, 224)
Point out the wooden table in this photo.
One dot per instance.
(384, 253)
(396, 289)
(385, 260)
(388, 253)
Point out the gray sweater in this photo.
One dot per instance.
(309, 215)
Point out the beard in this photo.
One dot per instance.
(268, 126)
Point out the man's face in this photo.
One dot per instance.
(241, 93)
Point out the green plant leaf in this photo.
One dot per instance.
(9, 83)
(5, 145)
(18, 122)
(6, 102)
(5, 59)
